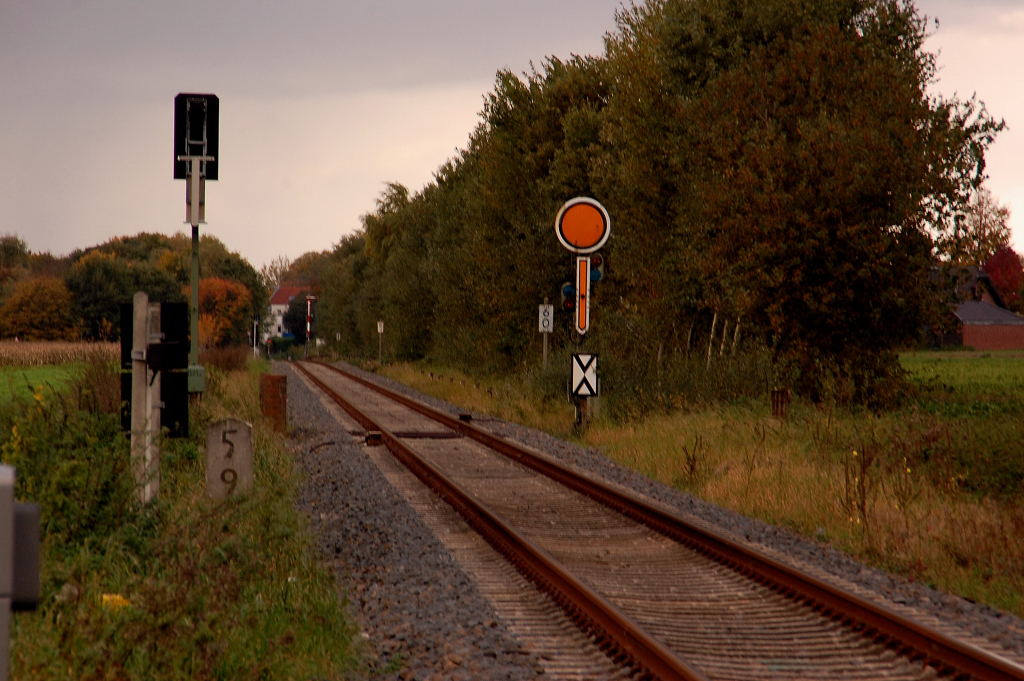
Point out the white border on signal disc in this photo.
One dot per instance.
(607, 224)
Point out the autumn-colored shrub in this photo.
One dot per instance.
(223, 312)
(39, 309)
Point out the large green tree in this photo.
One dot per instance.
(817, 167)
(488, 218)
(14, 261)
(13, 251)
(395, 245)
(350, 304)
(777, 163)
(101, 276)
(100, 282)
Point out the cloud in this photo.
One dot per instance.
(321, 103)
(307, 45)
(1012, 20)
(296, 172)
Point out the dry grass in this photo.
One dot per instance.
(500, 398)
(226, 359)
(870, 504)
(37, 353)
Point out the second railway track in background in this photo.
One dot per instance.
(660, 595)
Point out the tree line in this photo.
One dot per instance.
(779, 180)
(78, 296)
(778, 165)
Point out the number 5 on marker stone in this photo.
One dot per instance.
(229, 443)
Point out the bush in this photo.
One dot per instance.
(281, 346)
(225, 359)
(75, 463)
(184, 588)
(39, 309)
(98, 390)
(634, 384)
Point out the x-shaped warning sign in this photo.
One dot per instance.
(584, 375)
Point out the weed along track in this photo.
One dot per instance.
(661, 596)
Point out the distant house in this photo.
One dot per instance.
(278, 306)
(983, 320)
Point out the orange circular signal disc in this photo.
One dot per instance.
(582, 225)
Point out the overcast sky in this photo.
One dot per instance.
(322, 102)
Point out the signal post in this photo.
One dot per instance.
(583, 227)
(196, 142)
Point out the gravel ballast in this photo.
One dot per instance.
(1000, 629)
(422, 616)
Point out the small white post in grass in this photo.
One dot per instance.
(380, 341)
(546, 321)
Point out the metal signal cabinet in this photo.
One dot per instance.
(170, 357)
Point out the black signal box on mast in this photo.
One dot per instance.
(196, 133)
(196, 159)
(169, 357)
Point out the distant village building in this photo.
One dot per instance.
(983, 321)
(278, 306)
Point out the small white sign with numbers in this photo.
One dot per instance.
(228, 458)
(547, 318)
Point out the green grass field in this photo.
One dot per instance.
(968, 384)
(21, 383)
(986, 372)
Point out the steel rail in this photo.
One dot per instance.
(621, 639)
(885, 626)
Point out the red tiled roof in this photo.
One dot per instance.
(284, 294)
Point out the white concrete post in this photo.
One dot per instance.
(140, 393)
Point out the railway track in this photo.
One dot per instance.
(661, 596)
